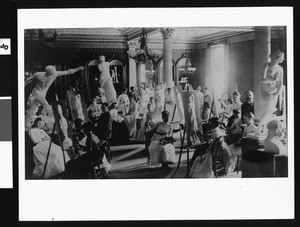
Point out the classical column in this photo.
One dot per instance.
(132, 73)
(167, 53)
(138, 74)
(262, 50)
(208, 68)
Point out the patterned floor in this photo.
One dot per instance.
(130, 162)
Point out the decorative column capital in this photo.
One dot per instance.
(167, 32)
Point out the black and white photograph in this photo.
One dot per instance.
(171, 103)
(62, 123)
(231, 108)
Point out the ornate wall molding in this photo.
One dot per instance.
(241, 38)
(85, 38)
(93, 45)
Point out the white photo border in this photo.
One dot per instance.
(157, 199)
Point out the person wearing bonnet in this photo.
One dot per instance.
(202, 164)
(273, 143)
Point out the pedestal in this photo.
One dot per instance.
(257, 163)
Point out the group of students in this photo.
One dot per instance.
(51, 159)
(235, 121)
(201, 162)
(118, 122)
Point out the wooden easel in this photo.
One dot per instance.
(181, 127)
(48, 153)
(181, 149)
(60, 142)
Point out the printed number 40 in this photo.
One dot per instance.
(4, 46)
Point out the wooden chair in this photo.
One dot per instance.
(29, 162)
(238, 163)
(217, 149)
(148, 136)
(106, 136)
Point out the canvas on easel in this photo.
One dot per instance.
(178, 101)
(77, 105)
(191, 125)
(62, 123)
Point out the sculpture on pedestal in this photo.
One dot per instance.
(271, 86)
(106, 81)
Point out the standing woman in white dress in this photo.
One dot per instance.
(123, 102)
(41, 141)
(160, 153)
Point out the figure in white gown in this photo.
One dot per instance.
(41, 141)
(123, 102)
(106, 81)
(143, 101)
(160, 153)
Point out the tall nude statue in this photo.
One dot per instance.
(106, 81)
(271, 86)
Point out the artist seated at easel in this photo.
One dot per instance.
(161, 148)
(94, 110)
(77, 136)
(96, 150)
(42, 142)
(92, 154)
(214, 126)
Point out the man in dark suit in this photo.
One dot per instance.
(248, 106)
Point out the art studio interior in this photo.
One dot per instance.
(155, 102)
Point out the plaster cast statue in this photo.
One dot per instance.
(106, 81)
(43, 81)
(271, 86)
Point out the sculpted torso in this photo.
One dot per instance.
(273, 73)
(43, 82)
(104, 70)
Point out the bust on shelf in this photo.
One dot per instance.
(273, 143)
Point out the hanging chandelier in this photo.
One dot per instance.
(47, 36)
(141, 53)
(187, 67)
